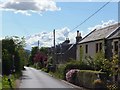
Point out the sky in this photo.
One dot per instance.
(36, 20)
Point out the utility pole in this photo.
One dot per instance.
(54, 52)
(38, 44)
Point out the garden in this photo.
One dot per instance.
(97, 72)
(91, 73)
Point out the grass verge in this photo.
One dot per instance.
(12, 84)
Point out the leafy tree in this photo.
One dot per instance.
(33, 52)
(44, 50)
(98, 60)
(13, 52)
(6, 62)
(40, 58)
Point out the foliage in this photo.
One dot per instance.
(59, 72)
(97, 62)
(100, 63)
(13, 55)
(111, 67)
(41, 59)
(38, 57)
(6, 84)
(44, 50)
(113, 86)
(70, 75)
(62, 69)
(81, 53)
(99, 84)
(33, 52)
(50, 60)
(86, 77)
(6, 62)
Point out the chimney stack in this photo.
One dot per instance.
(78, 37)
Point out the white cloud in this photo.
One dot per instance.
(86, 0)
(26, 6)
(46, 38)
(104, 24)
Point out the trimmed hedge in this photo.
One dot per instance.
(86, 78)
(75, 65)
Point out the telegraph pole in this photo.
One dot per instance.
(54, 55)
(38, 44)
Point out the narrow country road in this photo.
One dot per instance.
(33, 78)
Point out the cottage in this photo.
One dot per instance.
(65, 51)
(106, 39)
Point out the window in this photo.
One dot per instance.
(100, 46)
(96, 47)
(86, 48)
(116, 47)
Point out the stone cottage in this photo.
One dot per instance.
(106, 39)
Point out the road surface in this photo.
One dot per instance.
(33, 78)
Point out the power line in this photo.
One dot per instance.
(86, 20)
(91, 16)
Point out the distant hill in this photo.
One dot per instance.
(28, 51)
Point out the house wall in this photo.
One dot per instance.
(109, 48)
(113, 52)
(78, 51)
(65, 53)
(119, 48)
(91, 49)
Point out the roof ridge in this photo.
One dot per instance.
(112, 32)
(109, 26)
(113, 27)
(89, 34)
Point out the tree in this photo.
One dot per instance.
(40, 58)
(13, 54)
(33, 52)
(44, 50)
(6, 62)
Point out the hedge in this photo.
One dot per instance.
(86, 78)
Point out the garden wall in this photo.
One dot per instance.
(86, 78)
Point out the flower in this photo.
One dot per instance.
(70, 74)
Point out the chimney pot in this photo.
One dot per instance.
(77, 33)
(78, 38)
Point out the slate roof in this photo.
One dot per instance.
(102, 33)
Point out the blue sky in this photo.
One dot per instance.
(69, 15)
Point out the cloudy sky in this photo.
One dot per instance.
(36, 19)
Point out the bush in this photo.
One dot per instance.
(71, 75)
(86, 78)
(75, 65)
(98, 84)
(6, 84)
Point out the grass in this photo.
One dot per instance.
(0, 85)
(0, 82)
(6, 83)
(56, 75)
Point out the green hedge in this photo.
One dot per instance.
(86, 78)
(75, 65)
(62, 69)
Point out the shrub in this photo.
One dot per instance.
(75, 65)
(98, 84)
(86, 78)
(70, 75)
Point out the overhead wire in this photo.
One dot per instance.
(91, 15)
(88, 19)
